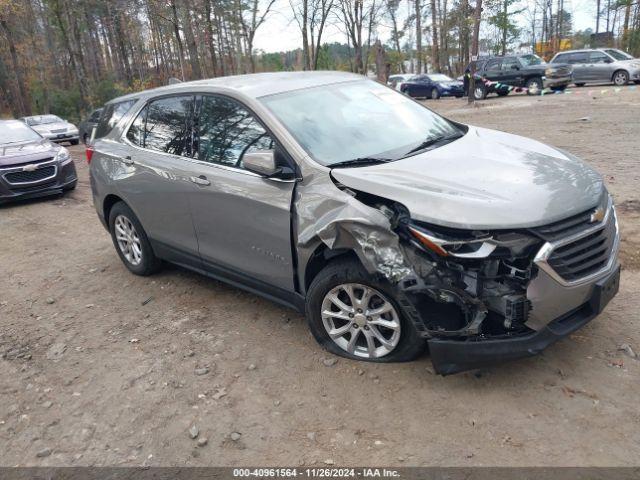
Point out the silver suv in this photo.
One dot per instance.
(602, 65)
(388, 225)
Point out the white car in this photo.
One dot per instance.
(53, 128)
(396, 81)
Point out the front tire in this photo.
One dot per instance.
(479, 92)
(355, 315)
(74, 142)
(435, 95)
(131, 242)
(534, 86)
(581, 84)
(620, 78)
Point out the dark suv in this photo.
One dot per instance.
(502, 74)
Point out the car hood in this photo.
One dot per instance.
(47, 127)
(13, 154)
(484, 180)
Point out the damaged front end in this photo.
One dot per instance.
(470, 293)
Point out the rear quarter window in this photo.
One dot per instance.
(111, 115)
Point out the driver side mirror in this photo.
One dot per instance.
(263, 162)
(608, 60)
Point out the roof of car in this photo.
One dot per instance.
(254, 85)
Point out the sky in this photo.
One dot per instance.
(280, 31)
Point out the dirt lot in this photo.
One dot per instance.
(99, 367)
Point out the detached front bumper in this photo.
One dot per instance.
(451, 356)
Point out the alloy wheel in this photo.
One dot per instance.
(128, 240)
(361, 320)
(620, 79)
(478, 93)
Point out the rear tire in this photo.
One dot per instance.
(637, 82)
(131, 242)
(580, 84)
(403, 343)
(559, 89)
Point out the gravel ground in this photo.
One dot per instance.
(100, 367)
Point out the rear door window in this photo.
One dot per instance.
(578, 58)
(598, 57)
(493, 65)
(168, 125)
(507, 63)
(111, 115)
(561, 58)
(135, 134)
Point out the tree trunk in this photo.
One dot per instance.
(477, 15)
(418, 36)
(435, 53)
(176, 32)
(24, 104)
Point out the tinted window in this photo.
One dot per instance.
(561, 58)
(95, 116)
(598, 57)
(136, 131)
(507, 63)
(580, 57)
(111, 115)
(226, 131)
(493, 64)
(168, 126)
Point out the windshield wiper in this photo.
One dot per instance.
(430, 142)
(362, 161)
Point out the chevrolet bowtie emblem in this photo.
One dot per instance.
(597, 215)
(29, 168)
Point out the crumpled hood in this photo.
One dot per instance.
(47, 127)
(13, 154)
(484, 180)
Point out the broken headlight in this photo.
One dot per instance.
(470, 244)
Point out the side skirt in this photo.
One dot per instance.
(232, 277)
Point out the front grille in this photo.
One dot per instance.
(565, 228)
(30, 177)
(562, 71)
(59, 130)
(587, 254)
(34, 188)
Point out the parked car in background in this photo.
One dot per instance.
(88, 124)
(600, 65)
(433, 85)
(388, 225)
(497, 74)
(30, 165)
(53, 128)
(396, 81)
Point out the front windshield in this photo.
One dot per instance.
(528, 60)
(351, 120)
(16, 132)
(43, 120)
(618, 54)
(439, 77)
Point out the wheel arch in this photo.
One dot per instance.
(613, 75)
(320, 258)
(108, 203)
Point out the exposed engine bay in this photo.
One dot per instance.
(462, 284)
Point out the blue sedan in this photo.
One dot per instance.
(433, 85)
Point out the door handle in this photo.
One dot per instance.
(201, 180)
(127, 160)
